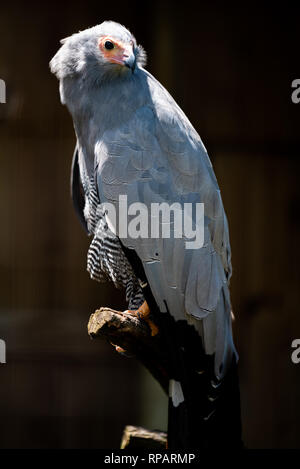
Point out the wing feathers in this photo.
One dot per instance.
(157, 158)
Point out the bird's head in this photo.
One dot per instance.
(105, 51)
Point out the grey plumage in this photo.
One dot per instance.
(106, 259)
(133, 139)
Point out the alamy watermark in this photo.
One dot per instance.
(295, 357)
(296, 93)
(2, 351)
(2, 92)
(160, 220)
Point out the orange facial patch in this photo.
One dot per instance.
(118, 53)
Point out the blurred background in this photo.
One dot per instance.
(230, 68)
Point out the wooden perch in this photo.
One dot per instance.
(138, 437)
(155, 353)
(133, 335)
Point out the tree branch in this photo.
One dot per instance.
(138, 437)
(133, 335)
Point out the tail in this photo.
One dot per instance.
(204, 412)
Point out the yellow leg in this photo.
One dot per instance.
(144, 312)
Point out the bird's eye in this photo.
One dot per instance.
(109, 45)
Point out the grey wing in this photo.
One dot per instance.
(106, 259)
(77, 194)
(155, 158)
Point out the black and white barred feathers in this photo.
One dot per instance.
(106, 259)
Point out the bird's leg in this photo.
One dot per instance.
(143, 313)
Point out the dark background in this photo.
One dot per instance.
(230, 67)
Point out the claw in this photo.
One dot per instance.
(143, 313)
(122, 351)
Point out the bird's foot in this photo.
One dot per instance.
(122, 351)
(143, 313)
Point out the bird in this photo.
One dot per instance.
(134, 143)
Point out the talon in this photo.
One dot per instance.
(117, 348)
(122, 351)
(153, 327)
(143, 313)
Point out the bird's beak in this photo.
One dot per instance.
(129, 59)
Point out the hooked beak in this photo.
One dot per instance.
(130, 61)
